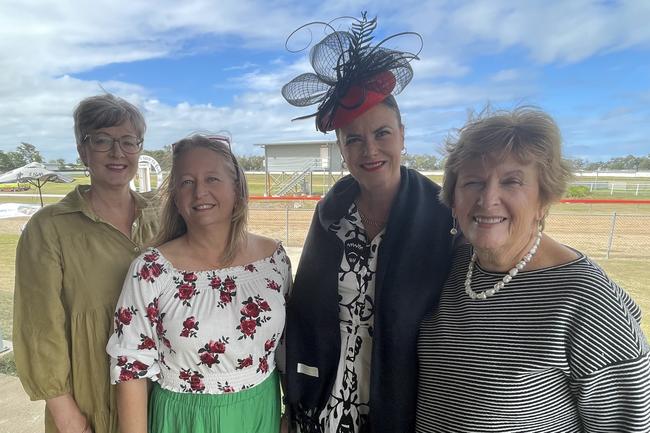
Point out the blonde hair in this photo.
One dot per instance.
(526, 133)
(172, 224)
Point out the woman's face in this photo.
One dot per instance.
(371, 145)
(498, 207)
(205, 188)
(113, 168)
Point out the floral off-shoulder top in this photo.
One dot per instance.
(212, 331)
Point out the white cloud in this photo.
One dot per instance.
(45, 42)
(564, 31)
(505, 75)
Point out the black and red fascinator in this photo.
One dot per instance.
(350, 75)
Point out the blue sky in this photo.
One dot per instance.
(219, 65)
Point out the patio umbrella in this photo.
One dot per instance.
(36, 174)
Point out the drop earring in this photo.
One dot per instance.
(454, 229)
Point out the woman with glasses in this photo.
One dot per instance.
(202, 313)
(70, 265)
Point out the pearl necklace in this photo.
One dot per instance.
(506, 279)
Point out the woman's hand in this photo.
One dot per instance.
(66, 415)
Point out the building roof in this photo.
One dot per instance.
(297, 143)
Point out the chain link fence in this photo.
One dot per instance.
(598, 235)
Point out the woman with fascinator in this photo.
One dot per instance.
(376, 252)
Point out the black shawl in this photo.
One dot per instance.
(414, 259)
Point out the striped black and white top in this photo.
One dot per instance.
(558, 349)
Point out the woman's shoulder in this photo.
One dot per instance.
(150, 265)
(259, 247)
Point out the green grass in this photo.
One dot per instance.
(256, 186)
(7, 364)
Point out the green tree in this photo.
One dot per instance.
(29, 152)
(163, 156)
(251, 163)
(644, 164)
(422, 162)
(5, 162)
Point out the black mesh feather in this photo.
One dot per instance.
(342, 60)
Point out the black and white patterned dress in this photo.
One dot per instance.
(347, 409)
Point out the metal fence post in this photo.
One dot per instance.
(286, 220)
(611, 234)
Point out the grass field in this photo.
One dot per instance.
(256, 186)
(584, 226)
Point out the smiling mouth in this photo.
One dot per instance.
(371, 166)
(203, 206)
(488, 220)
(116, 166)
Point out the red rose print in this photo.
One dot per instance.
(139, 366)
(152, 311)
(166, 342)
(250, 268)
(126, 375)
(263, 366)
(146, 343)
(190, 326)
(121, 361)
(216, 347)
(215, 282)
(151, 257)
(246, 362)
(264, 306)
(272, 285)
(208, 359)
(190, 322)
(196, 383)
(144, 273)
(124, 315)
(185, 291)
(228, 388)
(156, 269)
(189, 276)
(184, 375)
(229, 284)
(225, 297)
(251, 310)
(248, 327)
(209, 354)
(270, 344)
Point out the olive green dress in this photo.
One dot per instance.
(70, 267)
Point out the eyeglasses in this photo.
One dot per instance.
(101, 142)
(226, 140)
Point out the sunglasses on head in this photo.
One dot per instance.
(225, 140)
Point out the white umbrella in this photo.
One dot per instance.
(34, 173)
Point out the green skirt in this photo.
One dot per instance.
(254, 410)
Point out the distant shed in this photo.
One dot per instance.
(290, 165)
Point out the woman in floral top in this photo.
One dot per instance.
(202, 314)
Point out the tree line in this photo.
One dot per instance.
(27, 152)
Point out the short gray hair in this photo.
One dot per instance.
(526, 133)
(104, 111)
